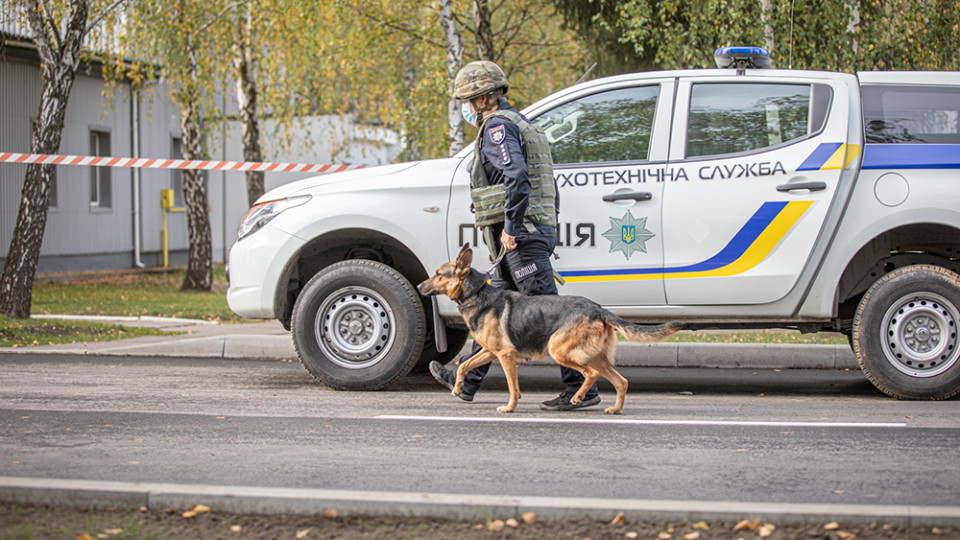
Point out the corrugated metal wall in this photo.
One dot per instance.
(75, 228)
(79, 236)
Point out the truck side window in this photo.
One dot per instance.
(911, 114)
(727, 118)
(609, 126)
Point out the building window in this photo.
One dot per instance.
(100, 186)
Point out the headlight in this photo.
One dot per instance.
(261, 214)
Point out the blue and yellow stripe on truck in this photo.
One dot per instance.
(830, 156)
(748, 248)
(911, 156)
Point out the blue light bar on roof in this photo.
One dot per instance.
(742, 58)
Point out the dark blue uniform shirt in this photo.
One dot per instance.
(504, 159)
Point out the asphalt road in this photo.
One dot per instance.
(791, 436)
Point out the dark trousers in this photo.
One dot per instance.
(531, 262)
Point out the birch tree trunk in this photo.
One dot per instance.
(412, 109)
(853, 27)
(200, 254)
(200, 259)
(59, 58)
(481, 18)
(245, 65)
(766, 15)
(454, 48)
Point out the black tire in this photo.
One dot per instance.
(358, 325)
(905, 333)
(456, 338)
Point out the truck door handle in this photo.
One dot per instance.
(634, 195)
(812, 186)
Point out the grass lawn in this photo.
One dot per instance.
(28, 332)
(773, 337)
(129, 294)
(148, 292)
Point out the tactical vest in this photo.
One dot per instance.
(489, 200)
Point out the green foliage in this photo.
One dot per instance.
(383, 61)
(183, 42)
(602, 43)
(840, 35)
(377, 62)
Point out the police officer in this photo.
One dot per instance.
(515, 202)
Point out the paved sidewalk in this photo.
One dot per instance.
(202, 339)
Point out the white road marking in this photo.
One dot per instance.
(628, 421)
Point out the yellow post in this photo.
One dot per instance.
(166, 203)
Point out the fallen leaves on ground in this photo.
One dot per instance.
(196, 511)
(496, 525)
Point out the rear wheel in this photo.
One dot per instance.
(358, 325)
(905, 333)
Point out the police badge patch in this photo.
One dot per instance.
(497, 134)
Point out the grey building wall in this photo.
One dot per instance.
(75, 229)
(80, 236)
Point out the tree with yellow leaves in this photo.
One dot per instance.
(184, 42)
(59, 29)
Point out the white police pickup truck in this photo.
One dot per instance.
(729, 198)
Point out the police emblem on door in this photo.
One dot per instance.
(628, 235)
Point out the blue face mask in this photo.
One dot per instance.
(468, 113)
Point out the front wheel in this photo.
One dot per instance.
(358, 325)
(905, 333)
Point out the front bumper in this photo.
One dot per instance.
(256, 264)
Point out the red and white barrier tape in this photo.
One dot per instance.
(206, 165)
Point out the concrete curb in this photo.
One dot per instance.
(265, 500)
(190, 338)
(124, 320)
(666, 355)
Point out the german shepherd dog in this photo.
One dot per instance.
(575, 331)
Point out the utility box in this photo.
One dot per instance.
(166, 199)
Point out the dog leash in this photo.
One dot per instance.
(503, 252)
(496, 262)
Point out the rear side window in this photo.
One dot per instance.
(911, 114)
(727, 118)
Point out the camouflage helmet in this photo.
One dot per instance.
(479, 78)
